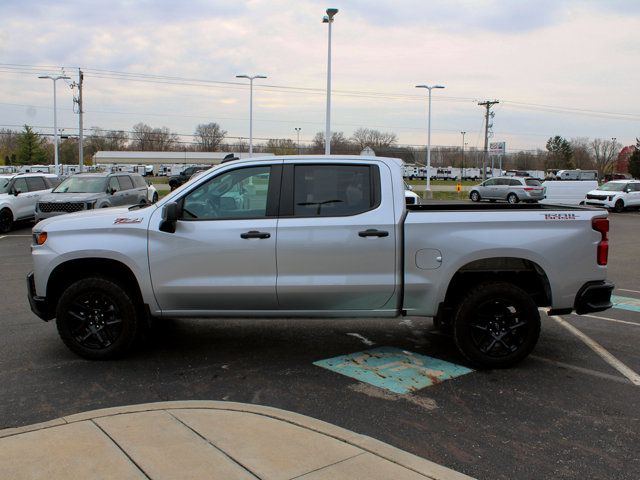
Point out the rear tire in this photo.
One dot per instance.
(6, 220)
(496, 325)
(474, 196)
(97, 319)
(512, 198)
(154, 199)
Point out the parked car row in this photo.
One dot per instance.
(42, 195)
(616, 195)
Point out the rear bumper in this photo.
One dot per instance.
(594, 297)
(38, 304)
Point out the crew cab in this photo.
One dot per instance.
(318, 236)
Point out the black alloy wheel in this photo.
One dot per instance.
(619, 206)
(97, 319)
(496, 325)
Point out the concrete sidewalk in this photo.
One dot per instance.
(202, 439)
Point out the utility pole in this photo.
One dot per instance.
(462, 170)
(80, 129)
(487, 104)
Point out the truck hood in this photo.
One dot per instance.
(70, 197)
(102, 218)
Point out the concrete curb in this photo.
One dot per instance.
(368, 444)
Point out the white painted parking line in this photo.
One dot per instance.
(600, 350)
(627, 290)
(609, 319)
(586, 371)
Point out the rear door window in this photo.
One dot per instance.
(125, 182)
(515, 183)
(333, 190)
(36, 184)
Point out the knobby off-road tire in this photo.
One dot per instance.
(97, 319)
(496, 325)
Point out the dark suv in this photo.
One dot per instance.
(86, 191)
(186, 174)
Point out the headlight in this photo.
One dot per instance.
(611, 197)
(39, 238)
(91, 205)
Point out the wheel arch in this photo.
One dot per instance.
(522, 272)
(66, 273)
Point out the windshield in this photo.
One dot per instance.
(4, 184)
(613, 187)
(82, 185)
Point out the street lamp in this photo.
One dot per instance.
(428, 192)
(462, 173)
(328, 18)
(297, 129)
(251, 79)
(55, 118)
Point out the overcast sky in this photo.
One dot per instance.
(569, 68)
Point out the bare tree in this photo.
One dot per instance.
(339, 144)
(582, 157)
(605, 154)
(280, 146)
(209, 136)
(146, 138)
(366, 137)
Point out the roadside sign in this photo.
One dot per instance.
(497, 148)
(458, 187)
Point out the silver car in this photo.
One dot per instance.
(510, 189)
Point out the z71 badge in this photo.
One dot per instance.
(560, 216)
(125, 220)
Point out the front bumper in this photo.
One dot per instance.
(38, 304)
(594, 297)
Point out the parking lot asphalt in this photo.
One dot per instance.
(565, 412)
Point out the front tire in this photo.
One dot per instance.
(474, 196)
(496, 325)
(619, 206)
(154, 199)
(96, 319)
(6, 220)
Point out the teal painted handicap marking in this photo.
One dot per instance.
(394, 369)
(625, 303)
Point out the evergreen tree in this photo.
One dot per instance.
(31, 149)
(634, 164)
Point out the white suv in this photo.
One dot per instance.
(19, 194)
(615, 195)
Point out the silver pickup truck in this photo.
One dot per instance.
(318, 237)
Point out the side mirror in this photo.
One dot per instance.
(16, 193)
(169, 217)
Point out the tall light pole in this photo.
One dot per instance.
(462, 172)
(328, 18)
(297, 129)
(251, 79)
(428, 192)
(55, 118)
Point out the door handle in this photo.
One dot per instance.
(372, 232)
(255, 234)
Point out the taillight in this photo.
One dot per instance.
(602, 225)
(527, 189)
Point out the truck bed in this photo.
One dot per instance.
(474, 207)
